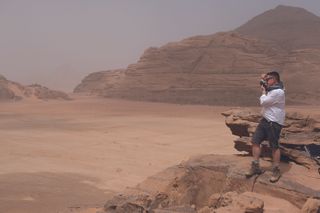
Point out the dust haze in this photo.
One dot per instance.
(74, 136)
(57, 43)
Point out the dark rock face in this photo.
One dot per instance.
(5, 93)
(2, 78)
(224, 68)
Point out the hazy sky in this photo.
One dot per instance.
(58, 42)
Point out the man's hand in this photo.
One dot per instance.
(263, 90)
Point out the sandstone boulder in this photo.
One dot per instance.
(244, 204)
(311, 206)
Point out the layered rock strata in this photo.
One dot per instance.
(223, 68)
(298, 134)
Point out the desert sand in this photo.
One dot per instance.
(65, 156)
(58, 155)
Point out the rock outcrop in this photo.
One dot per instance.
(98, 82)
(221, 69)
(12, 91)
(300, 132)
(311, 206)
(44, 93)
(5, 92)
(215, 183)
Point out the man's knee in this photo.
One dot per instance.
(255, 145)
(274, 145)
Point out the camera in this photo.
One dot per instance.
(263, 83)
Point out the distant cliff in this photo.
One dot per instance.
(97, 82)
(224, 68)
(10, 90)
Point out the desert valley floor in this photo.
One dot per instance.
(65, 154)
(59, 155)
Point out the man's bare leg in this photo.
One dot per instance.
(276, 162)
(256, 152)
(276, 157)
(255, 167)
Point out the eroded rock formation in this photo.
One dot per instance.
(215, 183)
(299, 131)
(98, 82)
(223, 68)
(12, 91)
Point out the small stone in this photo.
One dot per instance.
(311, 206)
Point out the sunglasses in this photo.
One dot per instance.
(267, 79)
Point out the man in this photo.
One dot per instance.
(272, 101)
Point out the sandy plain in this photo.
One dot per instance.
(71, 156)
(58, 155)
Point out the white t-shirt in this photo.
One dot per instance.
(273, 106)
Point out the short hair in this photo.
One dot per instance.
(274, 74)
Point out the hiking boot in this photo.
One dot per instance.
(254, 170)
(275, 174)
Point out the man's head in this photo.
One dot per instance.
(272, 78)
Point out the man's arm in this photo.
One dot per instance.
(271, 98)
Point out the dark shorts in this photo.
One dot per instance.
(267, 130)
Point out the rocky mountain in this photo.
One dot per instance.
(221, 69)
(290, 27)
(10, 91)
